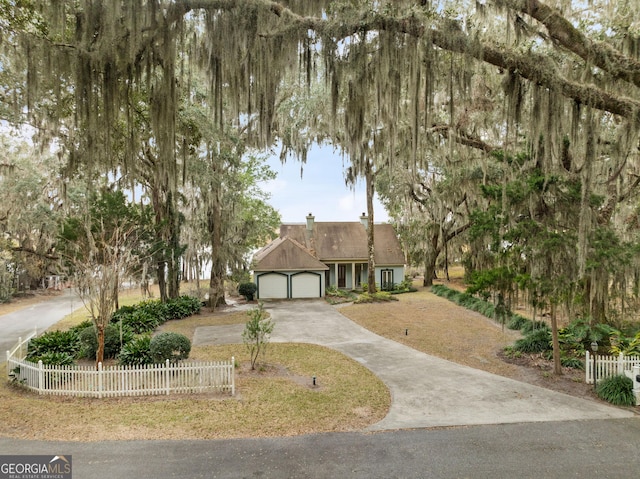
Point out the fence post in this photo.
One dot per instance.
(166, 377)
(587, 367)
(8, 368)
(40, 377)
(620, 363)
(635, 371)
(233, 376)
(100, 380)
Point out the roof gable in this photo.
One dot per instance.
(286, 254)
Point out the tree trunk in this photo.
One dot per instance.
(370, 187)
(557, 365)
(429, 270)
(216, 286)
(218, 270)
(173, 261)
(162, 283)
(430, 258)
(100, 338)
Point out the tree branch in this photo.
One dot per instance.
(564, 33)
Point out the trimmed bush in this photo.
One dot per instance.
(535, 342)
(136, 352)
(112, 345)
(65, 342)
(171, 346)
(617, 390)
(248, 290)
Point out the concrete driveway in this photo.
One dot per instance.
(426, 391)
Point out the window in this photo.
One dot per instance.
(386, 280)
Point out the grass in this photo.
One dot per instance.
(279, 401)
(435, 326)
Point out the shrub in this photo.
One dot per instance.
(154, 308)
(136, 352)
(257, 332)
(529, 326)
(171, 346)
(617, 390)
(112, 343)
(142, 317)
(80, 326)
(182, 307)
(516, 322)
(377, 296)
(57, 359)
(537, 341)
(572, 362)
(66, 342)
(248, 290)
(438, 289)
(141, 321)
(121, 312)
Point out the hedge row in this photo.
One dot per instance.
(537, 335)
(128, 337)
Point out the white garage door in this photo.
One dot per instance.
(305, 285)
(272, 285)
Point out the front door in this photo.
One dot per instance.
(342, 276)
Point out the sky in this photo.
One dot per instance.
(321, 191)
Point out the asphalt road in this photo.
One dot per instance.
(41, 315)
(583, 449)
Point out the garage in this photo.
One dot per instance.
(306, 285)
(284, 269)
(273, 286)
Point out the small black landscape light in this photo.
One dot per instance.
(594, 348)
(314, 380)
(406, 332)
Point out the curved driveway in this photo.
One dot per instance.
(426, 391)
(38, 316)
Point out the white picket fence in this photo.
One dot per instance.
(111, 381)
(606, 366)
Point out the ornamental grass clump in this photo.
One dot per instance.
(537, 341)
(617, 390)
